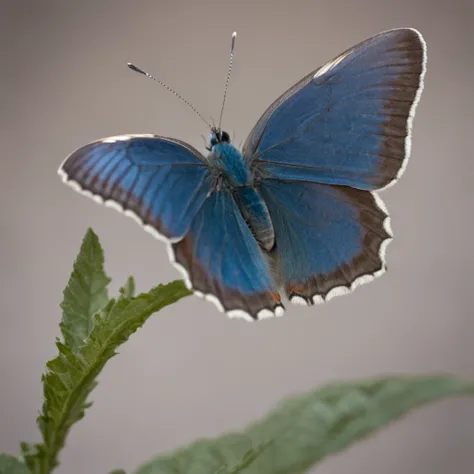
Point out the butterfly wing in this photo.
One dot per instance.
(160, 182)
(348, 122)
(225, 263)
(329, 239)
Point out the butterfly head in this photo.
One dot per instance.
(218, 136)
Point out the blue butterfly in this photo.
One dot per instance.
(294, 213)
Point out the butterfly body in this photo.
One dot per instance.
(296, 212)
(229, 171)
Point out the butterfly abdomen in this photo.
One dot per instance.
(256, 214)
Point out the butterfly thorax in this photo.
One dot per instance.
(232, 174)
(229, 162)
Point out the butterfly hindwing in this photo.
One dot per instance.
(348, 122)
(329, 239)
(225, 263)
(160, 181)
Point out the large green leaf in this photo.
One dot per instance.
(85, 293)
(304, 429)
(12, 465)
(71, 376)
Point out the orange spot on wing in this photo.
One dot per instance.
(296, 288)
(276, 297)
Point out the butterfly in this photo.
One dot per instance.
(293, 214)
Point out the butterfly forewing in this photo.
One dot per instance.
(349, 122)
(160, 182)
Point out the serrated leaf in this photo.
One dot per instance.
(72, 375)
(85, 293)
(128, 290)
(12, 465)
(304, 429)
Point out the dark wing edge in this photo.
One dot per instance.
(414, 105)
(265, 313)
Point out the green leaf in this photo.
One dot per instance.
(86, 292)
(128, 290)
(249, 457)
(304, 429)
(11, 465)
(71, 376)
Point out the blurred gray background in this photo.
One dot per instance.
(191, 372)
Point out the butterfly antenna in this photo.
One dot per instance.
(168, 88)
(234, 35)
